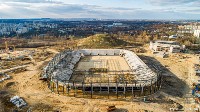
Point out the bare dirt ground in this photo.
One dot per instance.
(112, 63)
(109, 63)
(40, 99)
(178, 74)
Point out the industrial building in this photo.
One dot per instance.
(166, 46)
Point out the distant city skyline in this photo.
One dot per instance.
(105, 9)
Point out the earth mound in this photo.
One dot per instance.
(101, 41)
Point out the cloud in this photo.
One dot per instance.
(122, 8)
(62, 10)
(190, 11)
(172, 2)
(44, 9)
(32, 1)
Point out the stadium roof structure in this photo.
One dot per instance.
(62, 66)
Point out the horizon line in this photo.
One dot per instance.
(106, 19)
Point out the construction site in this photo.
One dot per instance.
(101, 71)
(91, 80)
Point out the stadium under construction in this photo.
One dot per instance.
(97, 73)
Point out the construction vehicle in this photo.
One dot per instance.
(13, 48)
(111, 108)
(196, 92)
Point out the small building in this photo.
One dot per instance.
(197, 33)
(173, 36)
(165, 46)
(175, 49)
(117, 24)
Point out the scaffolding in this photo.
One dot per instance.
(101, 88)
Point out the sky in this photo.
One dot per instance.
(102, 9)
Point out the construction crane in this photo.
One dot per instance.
(6, 46)
(13, 48)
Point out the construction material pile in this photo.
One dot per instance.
(16, 55)
(17, 101)
(5, 77)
